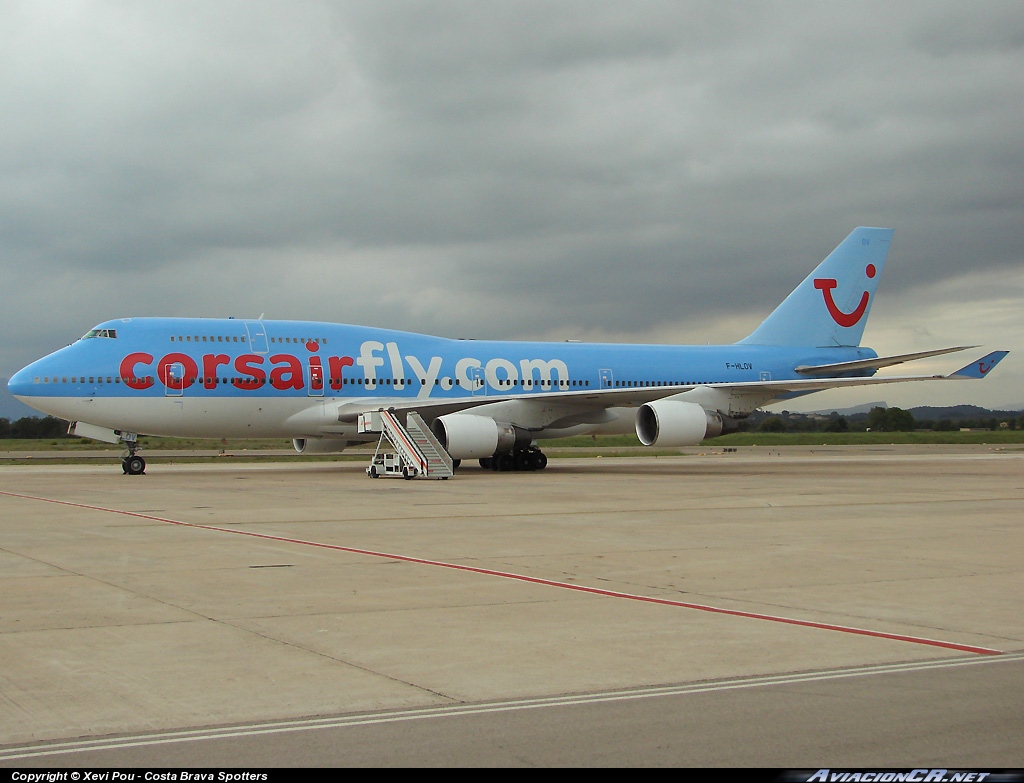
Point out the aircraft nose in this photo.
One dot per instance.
(20, 384)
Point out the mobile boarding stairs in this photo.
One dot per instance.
(409, 451)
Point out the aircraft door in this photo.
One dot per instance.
(316, 377)
(257, 336)
(174, 383)
(607, 378)
(477, 382)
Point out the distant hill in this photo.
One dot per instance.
(948, 418)
(956, 412)
(928, 413)
(856, 410)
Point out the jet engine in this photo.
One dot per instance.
(319, 445)
(465, 436)
(676, 423)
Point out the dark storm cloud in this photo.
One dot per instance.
(494, 169)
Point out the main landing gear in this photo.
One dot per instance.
(132, 464)
(520, 459)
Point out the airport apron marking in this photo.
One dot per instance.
(53, 747)
(532, 579)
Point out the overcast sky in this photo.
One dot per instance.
(642, 171)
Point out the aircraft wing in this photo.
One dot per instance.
(592, 398)
(876, 363)
(975, 370)
(756, 393)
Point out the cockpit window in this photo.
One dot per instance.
(111, 333)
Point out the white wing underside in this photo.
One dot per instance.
(565, 408)
(738, 398)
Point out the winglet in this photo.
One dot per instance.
(981, 367)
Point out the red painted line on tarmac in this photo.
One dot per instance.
(532, 579)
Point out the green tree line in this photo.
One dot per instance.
(31, 427)
(877, 420)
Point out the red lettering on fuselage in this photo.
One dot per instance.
(128, 374)
(210, 364)
(336, 364)
(178, 371)
(254, 375)
(287, 377)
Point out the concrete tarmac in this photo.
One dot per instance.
(604, 611)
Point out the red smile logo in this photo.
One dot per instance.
(984, 368)
(826, 284)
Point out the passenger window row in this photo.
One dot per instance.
(334, 381)
(77, 379)
(213, 339)
(657, 383)
(301, 341)
(240, 339)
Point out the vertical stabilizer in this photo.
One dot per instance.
(830, 307)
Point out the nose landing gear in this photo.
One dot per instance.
(132, 464)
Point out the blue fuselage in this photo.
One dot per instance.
(106, 376)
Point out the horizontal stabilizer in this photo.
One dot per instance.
(876, 363)
(981, 367)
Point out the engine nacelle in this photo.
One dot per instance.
(675, 423)
(465, 436)
(319, 445)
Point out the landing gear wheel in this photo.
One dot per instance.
(521, 460)
(134, 465)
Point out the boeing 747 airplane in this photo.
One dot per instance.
(486, 400)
